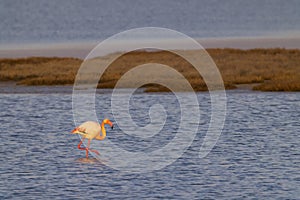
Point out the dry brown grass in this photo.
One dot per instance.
(274, 69)
(259, 66)
(39, 71)
(132, 59)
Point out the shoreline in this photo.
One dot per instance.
(13, 88)
(81, 49)
(10, 87)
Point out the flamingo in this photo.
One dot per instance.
(91, 130)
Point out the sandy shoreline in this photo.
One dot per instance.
(81, 49)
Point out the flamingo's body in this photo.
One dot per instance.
(91, 130)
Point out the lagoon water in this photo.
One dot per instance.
(257, 155)
(72, 21)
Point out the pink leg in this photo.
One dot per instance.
(79, 145)
(92, 150)
(83, 148)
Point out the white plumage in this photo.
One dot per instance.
(91, 130)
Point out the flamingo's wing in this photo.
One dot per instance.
(79, 131)
(89, 129)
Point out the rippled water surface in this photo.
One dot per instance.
(70, 21)
(257, 155)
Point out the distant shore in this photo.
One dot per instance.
(271, 69)
(81, 49)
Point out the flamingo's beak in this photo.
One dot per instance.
(107, 121)
(111, 125)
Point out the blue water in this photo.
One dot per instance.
(43, 21)
(257, 155)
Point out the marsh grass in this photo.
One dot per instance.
(39, 71)
(273, 69)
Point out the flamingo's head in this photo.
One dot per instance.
(107, 121)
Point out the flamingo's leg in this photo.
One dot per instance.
(95, 151)
(92, 150)
(79, 145)
(83, 148)
(87, 149)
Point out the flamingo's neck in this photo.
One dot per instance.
(103, 130)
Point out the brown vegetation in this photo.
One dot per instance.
(274, 69)
(39, 71)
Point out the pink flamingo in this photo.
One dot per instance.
(91, 130)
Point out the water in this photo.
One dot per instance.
(70, 21)
(256, 156)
